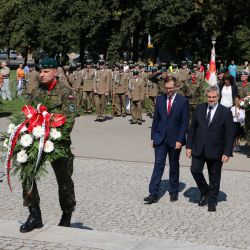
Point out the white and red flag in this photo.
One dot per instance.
(211, 77)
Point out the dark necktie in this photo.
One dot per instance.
(169, 104)
(209, 115)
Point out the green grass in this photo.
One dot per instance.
(12, 107)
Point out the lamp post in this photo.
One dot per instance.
(213, 38)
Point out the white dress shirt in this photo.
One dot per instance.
(213, 110)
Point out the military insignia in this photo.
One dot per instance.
(72, 107)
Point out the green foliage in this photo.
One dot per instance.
(106, 27)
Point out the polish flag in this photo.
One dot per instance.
(211, 77)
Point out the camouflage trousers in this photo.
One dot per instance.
(63, 169)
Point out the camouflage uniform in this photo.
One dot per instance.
(58, 100)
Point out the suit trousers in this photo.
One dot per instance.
(100, 104)
(161, 152)
(63, 169)
(136, 110)
(214, 172)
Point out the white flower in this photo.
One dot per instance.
(26, 140)
(48, 147)
(5, 143)
(55, 134)
(38, 131)
(242, 103)
(22, 156)
(24, 129)
(11, 128)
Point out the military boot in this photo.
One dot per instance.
(65, 219)
(34, 220)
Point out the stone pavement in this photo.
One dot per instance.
(110, 206)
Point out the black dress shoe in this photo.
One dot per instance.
(133, 122)
(173, 197)
(139, 122)
(202, 201)
(211, 207)
(151, 199)
(65, 220)
(34, 221)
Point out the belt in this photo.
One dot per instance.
(5, 77)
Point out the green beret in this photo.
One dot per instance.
(48, 63)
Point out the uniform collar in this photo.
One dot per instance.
(52, 85)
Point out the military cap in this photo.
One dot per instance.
(48, 63)
(174, 65)
(195, 65)
(183, 62)
(135, 72)
(244, 73)
(78, 64)
(66, 67)
(163, 64)
(141, 65)
(120, 66)
(131, 66)
(88, 61)
(130, 62)
(101, 62)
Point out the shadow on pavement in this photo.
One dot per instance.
(193, 194)
(79, 225)
(244, 150)
(5, 114)
(165, 187)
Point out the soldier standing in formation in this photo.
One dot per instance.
(151, 94)
(120, 90)
(101, 90)
(136, 96)
(89, 76)
(57, 98)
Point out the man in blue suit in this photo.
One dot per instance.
(210, 140)
(168, 135)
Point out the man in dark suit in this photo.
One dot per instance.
(210, 140)
(168, 135)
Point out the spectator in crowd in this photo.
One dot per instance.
(232, 69)
(228, 91)
(246, 67)
(20, 76)
(239, 118)
(5, 89)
